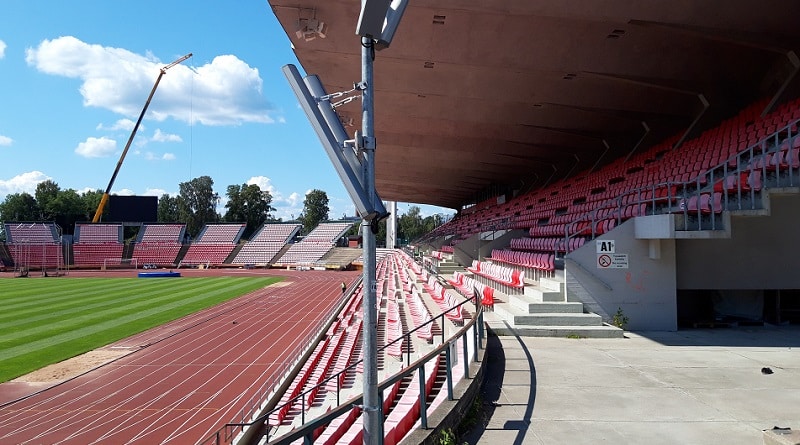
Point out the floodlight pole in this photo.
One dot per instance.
(373, 417)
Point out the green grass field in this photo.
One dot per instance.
(45, 321)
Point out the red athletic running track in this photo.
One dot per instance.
(190, 378)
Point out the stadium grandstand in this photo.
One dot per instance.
(213, 245)
(556, 132)
(38, 246)
(615, 166)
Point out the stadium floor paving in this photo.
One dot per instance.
(699, 386)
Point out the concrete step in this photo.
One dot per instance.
(517, 317)
(557, 319)
(540, 294)
(555, 284)
(531, 306)
(604, 331)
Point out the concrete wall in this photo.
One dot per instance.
(480, 246)
(762, 252)
(646, 290)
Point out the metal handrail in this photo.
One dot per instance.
(308, 427)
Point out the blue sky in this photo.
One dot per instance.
(74, 77)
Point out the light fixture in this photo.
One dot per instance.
(379, 19)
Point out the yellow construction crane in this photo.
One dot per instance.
(104, 199)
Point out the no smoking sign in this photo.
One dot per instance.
(612, 261)
(603, 260)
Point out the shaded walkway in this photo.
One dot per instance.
(685, 387)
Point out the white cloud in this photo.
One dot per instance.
(293, 200)
(226, 91)
(160, 136)
(150, 156)
(285, 207)
(5, 141)
(156, 192)
(24, 182)
(121, 124)
(263, 182)
(96, 147)
(2, 49)
(123, 192)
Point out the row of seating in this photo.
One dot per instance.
(332, 356)
(31, 233)
(634, 184)
(525, 260)
(161, 233)
(403, 416)
(37, 256)
(158, 253)
(258, 252)
(290, 397)
(393, 329)
(396, 275)
(220, 234)
(329, 231)
(96, 254)
(305, 252)
(266, 243)
(544, 244)
(97, 233)
(420, 316)
(314, 245)
(448, 305)
(207, 253)
(505, 276)
(214, 244)
(466, 286)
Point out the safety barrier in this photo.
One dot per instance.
(472, 330)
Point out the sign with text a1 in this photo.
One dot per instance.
(605, 246)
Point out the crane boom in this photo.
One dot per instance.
(104, 199)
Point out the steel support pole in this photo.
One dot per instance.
(372, 404)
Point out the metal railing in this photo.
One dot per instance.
(473, 328)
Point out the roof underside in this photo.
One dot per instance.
(481, 95)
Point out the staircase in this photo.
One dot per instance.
(543, 311)
(447, 266)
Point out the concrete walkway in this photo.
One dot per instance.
(686, 387)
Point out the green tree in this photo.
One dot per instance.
(380, 237)
(250, 204)
(198, 204)
(19, 207)
(46, 192)
(66, 208)
(315, 210)
(167, 210)
(91, 200)
(410, 225)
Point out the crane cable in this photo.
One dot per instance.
(191, 123)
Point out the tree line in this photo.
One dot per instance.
(195, 205)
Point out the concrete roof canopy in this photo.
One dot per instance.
(475, 97)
